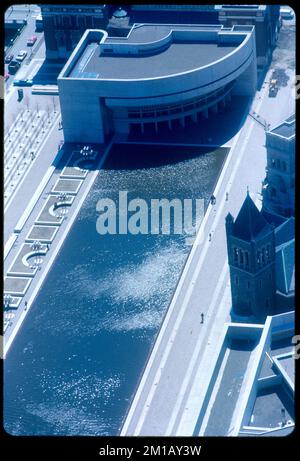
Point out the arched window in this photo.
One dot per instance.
(235, 254)
(258, 258)
(241, 257)
(246, 258)
(263, 260)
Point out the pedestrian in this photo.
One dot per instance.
(202, 317)
(26, 304)
(209, 237)
(226, 196)
(48, 248)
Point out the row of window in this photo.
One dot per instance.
(241, 257)
(74, 21)
(278, 164)
(263, 256)
(149, 112)
(237, 281)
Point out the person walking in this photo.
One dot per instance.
(226, 196)
(209, 237)
(202, 317)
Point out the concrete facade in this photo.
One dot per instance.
(155, 74)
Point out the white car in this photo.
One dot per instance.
(21, 55)
(286, 12)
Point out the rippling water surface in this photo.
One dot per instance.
(76, 361)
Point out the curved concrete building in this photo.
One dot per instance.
(156, 75)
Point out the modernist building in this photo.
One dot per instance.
(158, 75)
(261, 244)
(65, 24)
(265, 18)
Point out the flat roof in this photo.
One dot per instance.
(178, 56)
(286, 129)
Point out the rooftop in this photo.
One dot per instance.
(152, 50)
(250, 223)
(286, 129)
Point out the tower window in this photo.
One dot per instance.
(248, 284)
(247, 258)
(260, 283)
(284, 165)
(263, 256)
(241, 257)
(258, 258)
(235, 254)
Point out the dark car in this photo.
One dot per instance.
(8, 58)
(13, 67)
(23, 82)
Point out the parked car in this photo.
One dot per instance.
(23, 82)
(21, 55)
(31, 41)
(8, 58)
(286, 12)
(6, 76)
(13, 67)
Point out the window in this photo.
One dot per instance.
(268, 302)
(241, 257)
(236, 280)
(263, 260)
(247, 258)
(235, 255)
(284, 165)
(268, 255)
(260, 283)
(258, 257)
(248, 284)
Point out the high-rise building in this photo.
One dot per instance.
(64, 25)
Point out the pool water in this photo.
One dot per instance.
(76, 362)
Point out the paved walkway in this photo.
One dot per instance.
(174, 383)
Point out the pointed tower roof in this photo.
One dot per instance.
(250, 222)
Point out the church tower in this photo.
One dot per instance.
(251, 258)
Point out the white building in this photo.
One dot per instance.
(158, 75)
